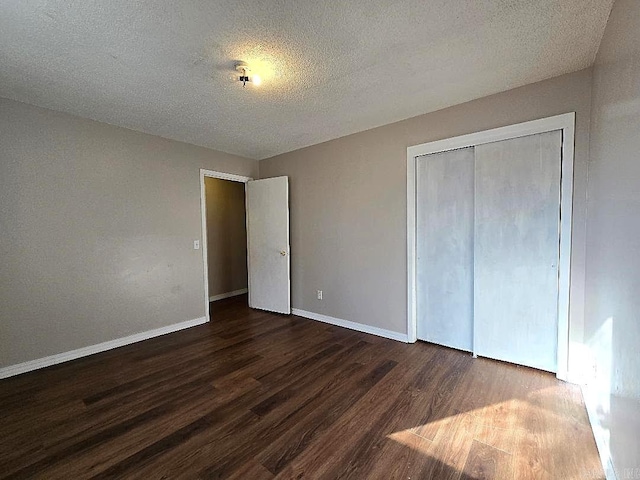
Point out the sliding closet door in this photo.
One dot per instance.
(445, 248)
(517, 207)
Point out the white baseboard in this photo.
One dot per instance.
(602, 442)
(24, 367)
(360, 327)
(221, 296)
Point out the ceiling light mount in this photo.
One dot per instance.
(243, 69)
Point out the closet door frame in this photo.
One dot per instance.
(564, 122)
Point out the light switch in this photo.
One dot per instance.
(196, 244)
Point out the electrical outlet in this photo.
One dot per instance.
(319, 294)
(196, 244)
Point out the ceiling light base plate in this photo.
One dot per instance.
(242, 67)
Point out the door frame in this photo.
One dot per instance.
(564, 122)
(203, 221)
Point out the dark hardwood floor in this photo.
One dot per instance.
(254, 395)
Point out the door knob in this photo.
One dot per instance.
(283, 253)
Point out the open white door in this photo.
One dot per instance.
(268, 244)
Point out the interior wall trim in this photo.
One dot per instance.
(222, 296)
(43, 362)
(380, 332)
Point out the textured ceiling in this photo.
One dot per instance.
(329, 68)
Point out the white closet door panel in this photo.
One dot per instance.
(445, 248)
(517, 205)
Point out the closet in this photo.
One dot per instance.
(487, 248)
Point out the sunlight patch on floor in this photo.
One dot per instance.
(509, 438)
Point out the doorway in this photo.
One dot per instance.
(224, 236)
(251, 257)
(465, 196)
(226, 240)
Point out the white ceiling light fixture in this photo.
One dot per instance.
(244, 77)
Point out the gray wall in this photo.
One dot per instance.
(612, 325)
(226, 236)
(97, 226)
(349, 212)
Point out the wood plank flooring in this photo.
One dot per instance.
(255, 395)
